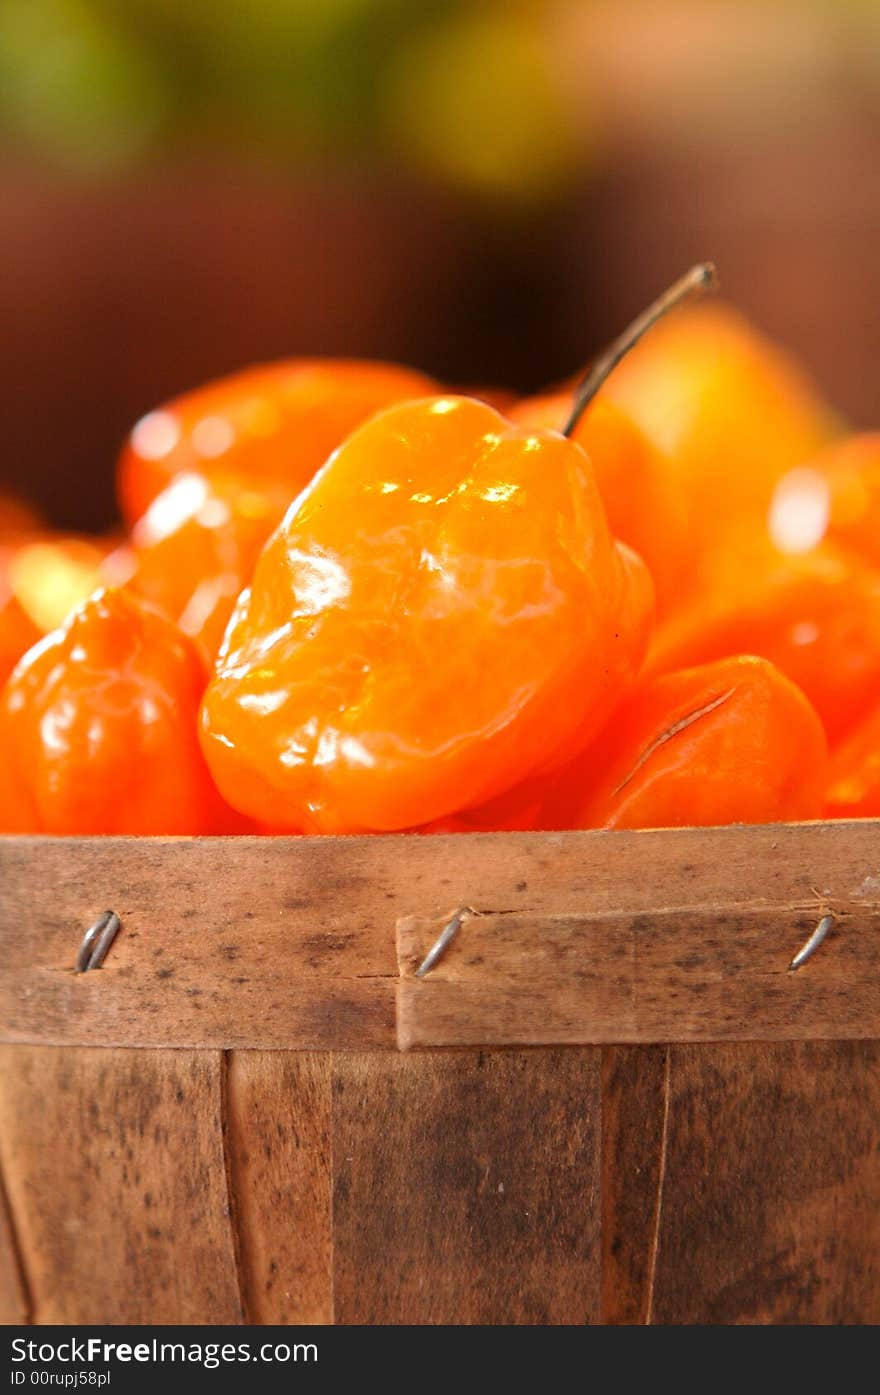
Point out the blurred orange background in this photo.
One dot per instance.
(486, 190)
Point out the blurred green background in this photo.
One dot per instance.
(485, 189)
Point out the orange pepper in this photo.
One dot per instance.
(52, 574)
(502, 399)
(634, 481)
(816, 616)
(195, 548)
(17, 630)
(854, 782)
(442, 614)
(729, 411)
(98, 729)
(728, 742)
(42, 577)
(275, 423)
(835, 497)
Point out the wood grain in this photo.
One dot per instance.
(115, 1170)
(467, 1188)
(725, 1183)
(280, 1154)
(634, 1082)
(15, 1305)
(682, 975)
(770, 1204)
(290, 942)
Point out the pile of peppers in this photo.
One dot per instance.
(348, 600)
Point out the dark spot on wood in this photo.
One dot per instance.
(329, 943)
(642, 924)
(691, 961)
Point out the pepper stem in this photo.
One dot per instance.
(697, 281)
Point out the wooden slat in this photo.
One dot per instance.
(280, 1147)
(225, 942)
(769, 1209)
(466, 1188)
(684, 975)
(115, 1171)
(14, 1300)
(634, 1082)
(289, 942)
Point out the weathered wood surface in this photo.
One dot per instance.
(15, 1305)
(768, 1186)
(634, 1092)
(682, 975)
(280, 1169)
(666, 1184)
(277, 942)
(115, 1172)
(467, 1188)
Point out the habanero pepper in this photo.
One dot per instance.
(854, 778)
(54, 573)
(17, 630)
(728, 742)
(442, 614)
(816, 616)
(43, 576)
(98, 730)
(729, 411)
(194, 550)
(274, 424)
(634, 480)
(833, 498)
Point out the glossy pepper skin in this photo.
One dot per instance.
(98, 729)
(728, 742)
(840, 491)
(17, 630)
(644, 510)
(816, 616)
(854, 780)
(195, 549)
(728, 409)
(52, 574)
(43, 576)
(275, 423)
(443, 613)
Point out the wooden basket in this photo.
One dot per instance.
(610, 1100)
